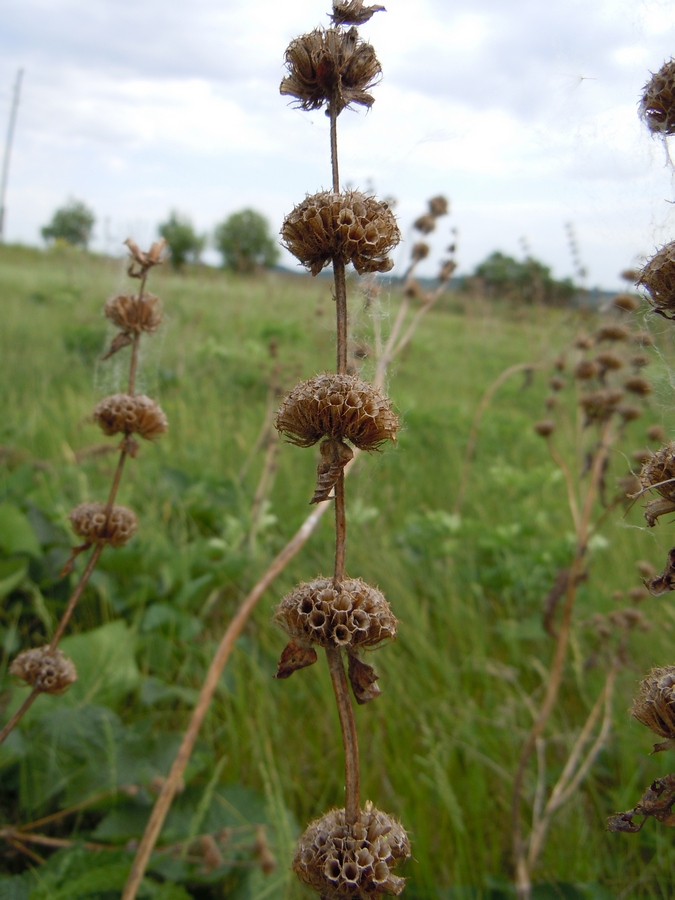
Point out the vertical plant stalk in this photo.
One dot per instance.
(349, 736)
(522, 877)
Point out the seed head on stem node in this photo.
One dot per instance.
(45, 670)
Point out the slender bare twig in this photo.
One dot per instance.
(349, 737)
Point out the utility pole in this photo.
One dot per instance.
(8, 151)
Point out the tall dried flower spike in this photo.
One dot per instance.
(654, 705)
(353, 12)
(352, 861)
(658, 278)
(350, 227)
(91, 522)
(131, 413)
(339, 407)
(657, 107)
(331, 67)
(44, 669)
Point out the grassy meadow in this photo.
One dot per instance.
(440, 746)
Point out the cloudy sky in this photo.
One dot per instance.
(523, 113)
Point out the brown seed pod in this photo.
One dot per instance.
(556, 383)
(657, 108)
(545, 428)
(350, 227)
(659, 473)
(643, 339)
(658, 277)
(612, 332)
(642, 456)
(130, 413)
(639, 361)
(626, 302)
(654, 705)
(609, 360)
(638, 385)
(600, 405)
(656, 433)
(89, 521)
(337, 406)
(331, 66)
(586, 369)
(438, 206)
(419, 251)
(352, 861)
(334, 457)
(48, 671)
(628, 412)
(353, 12)
(131, 313)
(583, 342)
(425, 223)
(357, 615)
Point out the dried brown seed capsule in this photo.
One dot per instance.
(664, 582)
(638, 593)
(131, 313)
(353, 12)
(638, 385)
(643, 339)
(659, 473)
(600, 405)
(340, 860)
(48, 671)
(545, 428)
(420, 251)
(337, 406)
(131, 413)
(438, 206)
(639, 361)
(350, 227)
(656, 433)
(626, 302)
(334, 457)
(645, 568)
(90, 522)
(657, 107)
(642, 456)
(658, 277)
(357, 615)
(425, 223)
(556, 383)
(560, 364)
(609, 360)
(331, 66)
(447, 269)
(612, 333)
(628, 412)
(654, 705)
(583, 342)
(413, 290)
(586, 369)
(551, 402)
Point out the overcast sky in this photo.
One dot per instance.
(524, 113)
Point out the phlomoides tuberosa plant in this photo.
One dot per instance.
(100, 524)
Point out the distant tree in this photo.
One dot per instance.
(245, 242)
(72, 223)
(529, 281)
(184, 244)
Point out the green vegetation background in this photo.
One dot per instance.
(440, 746)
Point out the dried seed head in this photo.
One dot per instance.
(642, 456)
(612, 332)
(48, 671)
(600, 405)
(658, 277)
(586, 369)
(131, 413)
(610, 360)
(657, 108)
(438, 206)
(628, 412)
(350, 227)
(664, 582)
(353, 12)
(420, 251)
(583, 342)
(659, 473)
(425, 223)
(654, 705)
(639, 361)
(551, 401)
(656, 433)
(337, 406)
(643, 339)
(131, 313)
(626, 302)
(556, 383)
(638, 593)
(331, 66)
(90, 522)
(638, 385)
(545, 428)
(340, 860)
(356, 615)
(140, 261)
(447, 269)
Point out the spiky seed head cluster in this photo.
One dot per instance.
(612, 332)
(654, 705)
(331, 66)
(609, 360)
(355, 861)
(350, 227)
(657, 107)
(626, 302)
(356, 615)
(600, 405)
(48, 671)
(90, 522)
(658, 277)
(131, 413)
(659, 473)
(353, 12)
(545, 427)
(638, 385)
(337, 406)
(131, 313)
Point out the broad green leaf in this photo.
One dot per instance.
(16, 534)
(106, 664)
(12, 573)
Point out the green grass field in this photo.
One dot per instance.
(440, 746)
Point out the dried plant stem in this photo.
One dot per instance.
(341, 314)
(485, 401)
(340, 530)
(349, 738)
(133, 366)
(18, 715)
(333, 114)
(522, 870)
(569, 483)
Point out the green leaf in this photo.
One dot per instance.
(14, 887)
(16, 534)
(12, 573)
(105, 662)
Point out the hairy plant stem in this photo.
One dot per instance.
(349, 737)
(522, 874)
